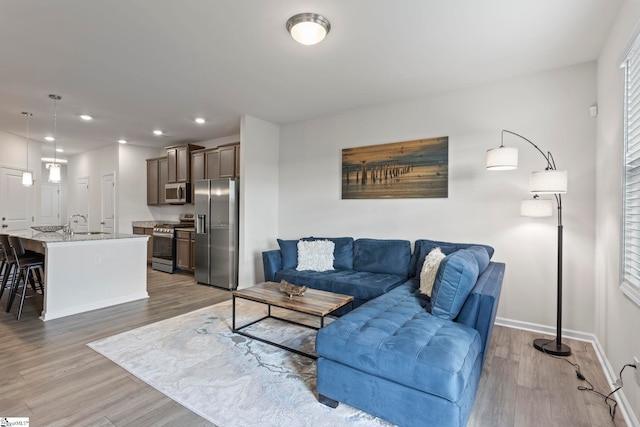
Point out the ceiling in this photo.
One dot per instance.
(138, 65)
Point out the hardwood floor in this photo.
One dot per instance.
(47, 372)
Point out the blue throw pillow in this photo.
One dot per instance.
(289, 253)
(422, 248)
(456, 277)
(482, 257)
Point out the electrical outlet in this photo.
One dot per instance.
(637, 362)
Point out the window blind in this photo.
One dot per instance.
(631, 196)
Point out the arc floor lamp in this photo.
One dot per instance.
(549, 181)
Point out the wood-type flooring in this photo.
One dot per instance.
(47, 372)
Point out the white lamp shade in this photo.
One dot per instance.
(548, 182)
(502, 158)
(27, 179)
(536, 208)
(54, 173)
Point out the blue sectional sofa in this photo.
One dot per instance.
(410, 359)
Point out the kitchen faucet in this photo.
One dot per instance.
(68, 227)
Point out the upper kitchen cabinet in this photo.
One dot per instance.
(214, 163)
(157, 177)
(179, 162)
(228, 161)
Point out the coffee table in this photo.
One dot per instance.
(314, 302)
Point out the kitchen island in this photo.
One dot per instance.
(86, 272)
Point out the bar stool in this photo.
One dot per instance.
(27, 270)
(5, 265)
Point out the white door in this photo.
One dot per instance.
(82, 207)
(108, 202)
(50, 204)
(16, 201)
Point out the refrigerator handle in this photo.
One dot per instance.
(200, 224)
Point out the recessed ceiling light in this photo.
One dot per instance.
(49, 138)
(122, 141)
(86, 117)
(59, 150)
(158, 132)
(199, 120)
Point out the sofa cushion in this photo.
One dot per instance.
(316, 255)
(456, 277)
(289, 252)
(382, 256)
(423, 246)
(394, 337)
(361, 284)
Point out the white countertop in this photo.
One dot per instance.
(59, 237)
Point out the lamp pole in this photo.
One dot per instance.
(554, 346)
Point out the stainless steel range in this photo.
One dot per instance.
(164, 243)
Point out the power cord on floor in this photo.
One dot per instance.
(608, 400)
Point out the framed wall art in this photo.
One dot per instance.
(399, 170)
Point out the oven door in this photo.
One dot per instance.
(163, 255)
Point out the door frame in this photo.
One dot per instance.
(113, 202)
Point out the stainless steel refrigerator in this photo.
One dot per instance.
(216, 222)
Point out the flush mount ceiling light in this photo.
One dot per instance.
(86, 117)
(199, 120)
(158, 132)
(308, 28)
(49, 138)
(122, 141)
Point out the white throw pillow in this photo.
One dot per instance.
(429, 270)
(316, 255)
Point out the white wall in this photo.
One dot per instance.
(549, 108)
(92, 164)
(259, 142)
(131, 186)
(617, 316)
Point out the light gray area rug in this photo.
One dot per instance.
(227, 378)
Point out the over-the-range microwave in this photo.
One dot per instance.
(177, 193)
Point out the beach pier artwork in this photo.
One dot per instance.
(398, 170)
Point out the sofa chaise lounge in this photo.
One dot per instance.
(403, 356)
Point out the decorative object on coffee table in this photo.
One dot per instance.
(291, 289)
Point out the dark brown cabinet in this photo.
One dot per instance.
(212, 162)
(157, 177)
(148, 231)
(184, 250)
(163, 179)
(179, 162)
(197, 170)
(152, 182)
(228, 162)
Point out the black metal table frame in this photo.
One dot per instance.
(270, 316)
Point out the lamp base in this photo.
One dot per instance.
(551, 347)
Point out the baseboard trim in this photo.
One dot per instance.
(624, 407)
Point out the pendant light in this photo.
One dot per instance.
(54, 168)
(27, 176)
